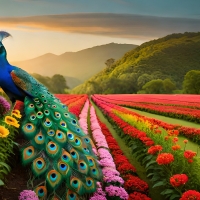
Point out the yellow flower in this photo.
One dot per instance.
(16, 113)
(11, 121)
(4, 132)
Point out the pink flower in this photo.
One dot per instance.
(28, 194)
(117, 191)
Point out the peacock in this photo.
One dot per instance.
(57, 151)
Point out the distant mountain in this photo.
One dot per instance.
(170, 57)
(80, 65)
(72, 82)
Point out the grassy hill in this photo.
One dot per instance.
(81, 65)
(168, 57)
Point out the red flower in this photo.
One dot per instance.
(175, 132)
(158, 131)
(154, 149)
(134, 183)
(176, 147)
(178, 180)
(126, 168)
(138, 196)
(185, 141)
(190, 160)
(165, 158)
(166, 138)
(175, 139)
(190, 195)
(189, 154)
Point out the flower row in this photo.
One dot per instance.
(112, 180)
(136, 187)
(166, 110)
(191, 101)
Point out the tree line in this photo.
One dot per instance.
(56, 84)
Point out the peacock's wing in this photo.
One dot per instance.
(59, 152)
(26, 83)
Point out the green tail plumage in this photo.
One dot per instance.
(62, 162)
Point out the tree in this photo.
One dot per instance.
(110, 62)
(168, 86)
(143, 79)
(191, 83)
(58, 84)
(154, 87)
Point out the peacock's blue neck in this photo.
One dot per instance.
(3, 62)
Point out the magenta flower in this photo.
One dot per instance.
(4, 106)
(83, 117)
(99, 194)
(28, 194)
(116, 191)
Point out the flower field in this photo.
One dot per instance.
(160, 164)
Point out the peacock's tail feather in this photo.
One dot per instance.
(59, 152)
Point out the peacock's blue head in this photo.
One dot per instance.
(2, 50)
(3, 35)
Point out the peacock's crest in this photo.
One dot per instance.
(3, 35)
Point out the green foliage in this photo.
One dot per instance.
(110, 62)
(143, 79)
(56, 84)
(168, 86)
(191, 83)
(170, 57)
(7, 145)
(154, 87)
(158, 86)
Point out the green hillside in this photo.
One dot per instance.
(170, 57)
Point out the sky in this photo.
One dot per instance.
(58, 26)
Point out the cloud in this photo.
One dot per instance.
(107, 24)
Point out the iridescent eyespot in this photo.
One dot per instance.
(63, 124)
(66, 114)
(57, 115)
(59, 135)
(36, 100)
(77, 141)
(73, 121)
(82, 165)
(73, 154)
(40, 137)
(70, 136)
(32, 117)
(86, 150)
(78, 130)
(41, 193)
(40, 115)
(47, 123)
(46, 112)
(63, 167)
(89, 183)
(51, 132)
(29, 126)
(87, 140)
